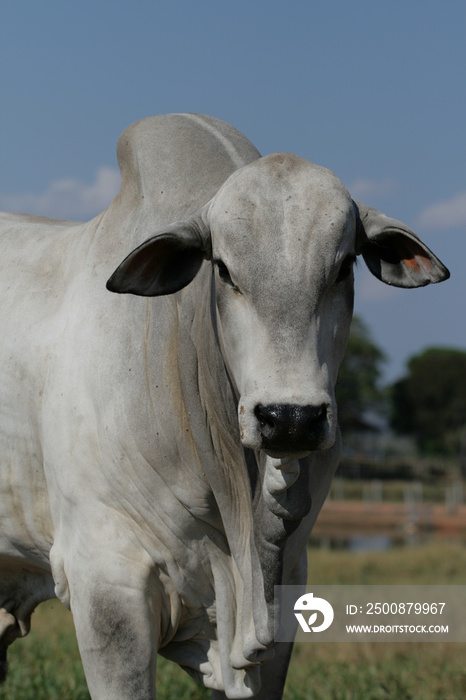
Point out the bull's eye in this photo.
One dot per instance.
(345, 268)
(225, 275)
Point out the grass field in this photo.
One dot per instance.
(46, 665)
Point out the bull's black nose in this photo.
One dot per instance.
(288, 428)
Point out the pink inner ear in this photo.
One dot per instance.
(418, 263)
(397, 258)
(413, 256)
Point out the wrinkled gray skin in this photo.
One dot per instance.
(164, 459)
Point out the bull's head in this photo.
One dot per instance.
(282, 236)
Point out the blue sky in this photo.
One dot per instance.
(372, 89)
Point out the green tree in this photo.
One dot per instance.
(358, 391)
(429, 403)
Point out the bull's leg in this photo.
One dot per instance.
(117, 634)
(273, 675)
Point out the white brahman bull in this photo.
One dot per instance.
(164, 459)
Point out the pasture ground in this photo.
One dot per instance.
(46, 665)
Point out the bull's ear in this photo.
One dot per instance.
(394, 253)
(163, 264)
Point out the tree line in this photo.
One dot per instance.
(428, 403)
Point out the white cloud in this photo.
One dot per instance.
(446, 214)
(68, 198)
(364, 187)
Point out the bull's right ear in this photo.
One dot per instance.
(165, 263)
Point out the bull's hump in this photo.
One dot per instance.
(180, 156)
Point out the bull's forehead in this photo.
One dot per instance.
(282, 210)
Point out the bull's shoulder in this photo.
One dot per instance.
(28, 223)
(36, 253)
(27, 242)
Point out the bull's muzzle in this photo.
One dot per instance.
(287, 429)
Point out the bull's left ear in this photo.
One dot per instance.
(394, 253)
(165, 263)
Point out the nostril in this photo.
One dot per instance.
(267, 418)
